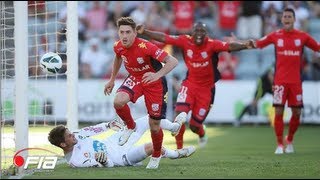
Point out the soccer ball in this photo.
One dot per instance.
(51, 62)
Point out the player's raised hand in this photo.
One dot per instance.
(233, 37)
(108, 87)
(149, 77)
(140, 28)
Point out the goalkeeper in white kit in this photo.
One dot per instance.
(81, 150)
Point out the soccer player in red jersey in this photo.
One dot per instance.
(287, 87)
(143, 60)
(198, 88)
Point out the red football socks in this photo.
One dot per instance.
(125, 115)
(179, 137)
(293, 126)
(278, 127)
(157, 138)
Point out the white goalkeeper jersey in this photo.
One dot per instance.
(83, 154)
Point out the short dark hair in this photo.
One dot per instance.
(290, 10)
(56, 135)
(199, 23)
(126, 21)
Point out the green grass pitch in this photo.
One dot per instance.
(244, 152)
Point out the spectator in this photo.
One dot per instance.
(302, 15)
(36, 8)
(183, 16)
(277, 5)
(271, 19)
(250, 21)
(205, 11)
(158, 20)
(81, 16)
(228, 12)
(116, 10)
(139, 14)
(94, 61)
(96, 20)
(227, 65)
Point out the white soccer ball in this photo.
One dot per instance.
(51, 63)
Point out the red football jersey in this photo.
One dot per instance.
(202, 60)
(141, 57)
(289, 53)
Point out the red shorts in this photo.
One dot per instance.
(197, 99)
(155, 95)
(290, 92)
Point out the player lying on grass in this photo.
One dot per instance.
(81, 150)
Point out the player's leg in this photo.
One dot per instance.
(278, 128)
(296, 104)
(137, 154)
(155, 100)
(202, 106)
(279, 100)
(248, 107)
(198, 128)
(294, 123)
(184, 103)
(178, 153)
(129, 91)
(179, 135)
(142, 125)
(157, 139)
(176, 125)
(243, 112)
(293, 127)
(122, 108)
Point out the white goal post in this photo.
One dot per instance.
(72, 64)
(21, 123)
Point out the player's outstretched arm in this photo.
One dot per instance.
(158, 36)
(94, 130)
(236, 45)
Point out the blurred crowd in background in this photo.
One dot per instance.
(246, 19)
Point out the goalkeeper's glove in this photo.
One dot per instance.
(101, 157)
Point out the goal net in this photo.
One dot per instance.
(29, 29)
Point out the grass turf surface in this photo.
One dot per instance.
(245, 152)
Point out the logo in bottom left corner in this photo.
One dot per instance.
(44, 162)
